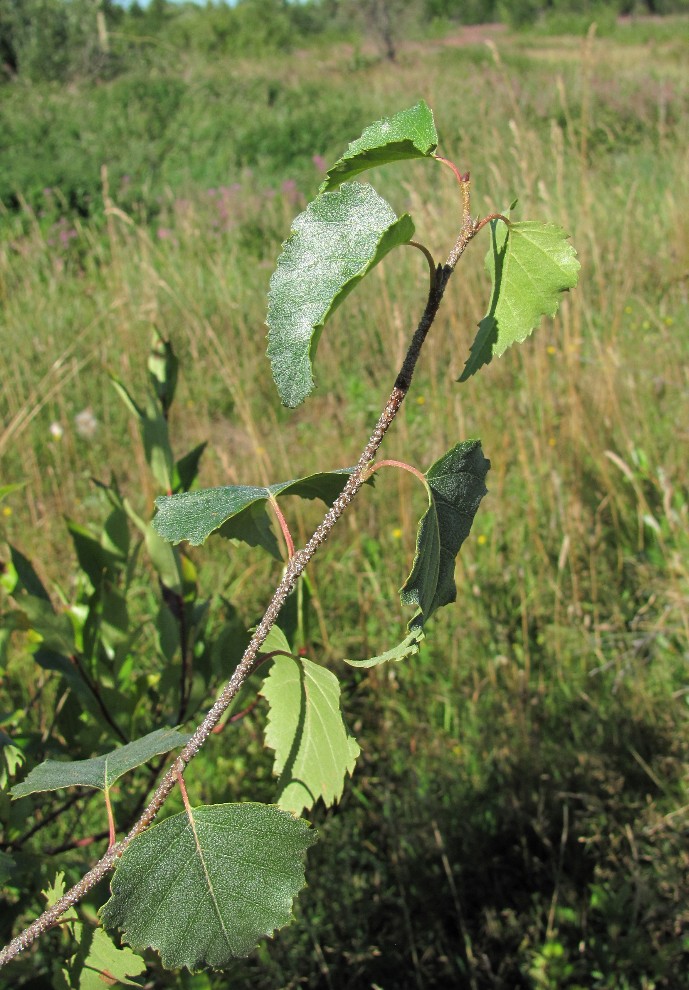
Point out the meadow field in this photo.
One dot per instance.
(520, 814)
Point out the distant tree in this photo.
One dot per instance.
(113, 12)
(156, 13)
(42, 36)
(462, 11)
(385, 21)
(54, 40)
(8, 39)
(521, 13)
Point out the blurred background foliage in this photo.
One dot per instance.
(519, 816)
(57, 40)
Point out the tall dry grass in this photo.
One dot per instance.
(544, 725)
(583, 423)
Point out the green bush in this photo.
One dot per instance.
(53, 40)
(469, 12)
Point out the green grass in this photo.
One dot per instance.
(518, 817)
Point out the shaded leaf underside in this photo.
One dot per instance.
(313, 749)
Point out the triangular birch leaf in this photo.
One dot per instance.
(333, 244)
(239, 509)
(313, 749)
(408, 134)
(204, 889)
(101, 771)
(456, 485)
(531, 264)
(275, 640)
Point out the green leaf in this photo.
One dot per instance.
(54, 891)
(11, 758)
(456, 485)
(54, 628)
(228, 644)
(99, 963)
(95, 560)
(408, 134)
(50, 659)
(187, 468)
(100, 771)
(204, 889)
(164, 558)
(163, 368)
(313, 749)
(530, 265)
(115, 537)
(407, 648)
(7, 867)
(154, 433)
(6, 490)
(238, 511)
(26, 578)
(276, 640)
(337, 240)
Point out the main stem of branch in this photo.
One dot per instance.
(294, 569)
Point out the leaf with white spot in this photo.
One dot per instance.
(334, 243)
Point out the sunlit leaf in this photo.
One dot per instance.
(313, 749)
(407, 648)
(334, 243)
(204, 889)
(98, 963)
(164, 558)
(154, 433)
(531, 264)
(100, 771)
(275, 640)
(408, 134)
(56, 890)
(163, 370)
